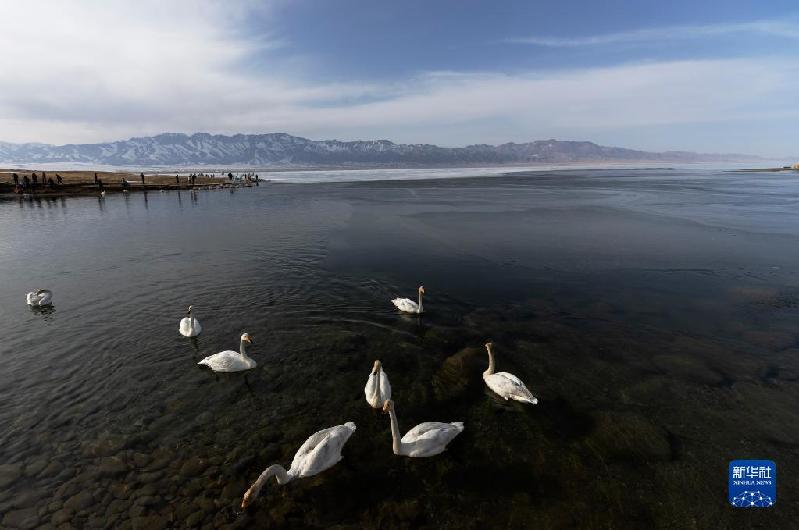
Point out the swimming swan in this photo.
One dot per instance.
(230, 361)
(378, 389)
(506, 385)
(426, 439)
(321, 451)
(406, 305)
(190, 326)
(40, 297)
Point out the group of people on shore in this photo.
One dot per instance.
(29, 184)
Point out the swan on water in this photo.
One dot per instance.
(426, 439)
(406, 305)
(40, 297)
(190, 326)
(321, 451)
(378, 389)
(504, 384)
(230, 361)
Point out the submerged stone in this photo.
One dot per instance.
(9, 473)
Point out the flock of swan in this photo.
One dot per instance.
(322, 450)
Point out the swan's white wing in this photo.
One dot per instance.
(227, 361)
(321, 450)
(40, 297)
(370, 391)
(509, 386)
(374, 398)
(406, 305)
(185, 327)
(430, 438)
(385, 387)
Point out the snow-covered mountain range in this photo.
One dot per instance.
(285, 150)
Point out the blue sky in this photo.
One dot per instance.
(703, 76)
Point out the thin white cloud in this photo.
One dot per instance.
(771, 28)
(105, 71)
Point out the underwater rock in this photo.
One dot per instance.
(52, 469)
(192, 467)
(120, 490)
(150, 522)
(112, 466)
(108, 446)
(194, 520)
(628, 436)
(455, 374)
(25, 518)
(79, 501)
(36, 467)
(61, 516)
(234, 489)
(687, 366)
(140, 460)
(9, 473)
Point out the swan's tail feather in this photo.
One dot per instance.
(532, 400)
(350, 425)
(458, 425)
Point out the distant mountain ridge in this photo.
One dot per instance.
(285, 150)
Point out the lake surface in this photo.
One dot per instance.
(652, 312)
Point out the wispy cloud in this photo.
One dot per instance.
(773, 28)
(111, 70)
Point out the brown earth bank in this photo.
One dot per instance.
(83, 182)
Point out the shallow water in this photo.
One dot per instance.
(651, 311)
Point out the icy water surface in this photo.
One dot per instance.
(653, 313)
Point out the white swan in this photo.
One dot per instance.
(378, 389)
(190, 326)
(426, 439)
(321, 451)
(406, 305)
(40, 298)
(230, 361)
(506, 385)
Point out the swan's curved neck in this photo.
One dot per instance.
(191, 323)
(377, 382)
(491, 368)
(275, 470)
(243, 349)
(420, 301)
(395, 434)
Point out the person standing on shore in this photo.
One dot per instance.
(26, 183)
(16, 179)
(59, 179)
(95, 179)
(142, 178)
(100, 185)
(177, 180)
